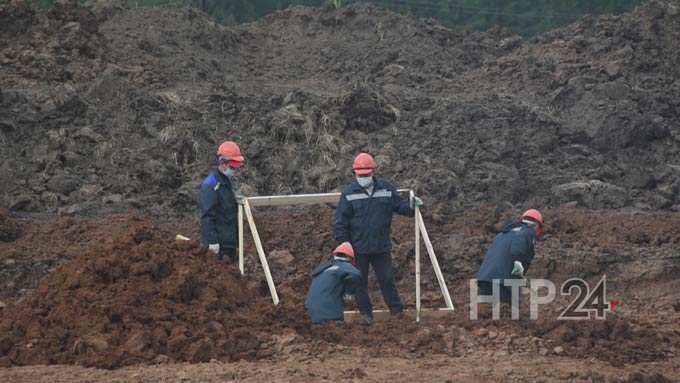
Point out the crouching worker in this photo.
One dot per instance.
(510, 254)
(330, 282)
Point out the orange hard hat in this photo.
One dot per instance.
(229, 150)
(363, 164)
(345, 248)
(533, 215)
(536, 216)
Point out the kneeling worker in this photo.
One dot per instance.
(331, 281)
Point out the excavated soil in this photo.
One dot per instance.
(109, 116)
(108, 107)
(137, 296)
(129, 301)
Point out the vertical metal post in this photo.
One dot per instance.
(260, 253)
(417, 254)
(241, 262)
(435, 263)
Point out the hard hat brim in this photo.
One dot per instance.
(363, 172)
(235, 164)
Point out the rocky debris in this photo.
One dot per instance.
(465, 118)
(633, 344)
(480, 332)
(643, 377)
(282, 257)
(366, 110)
(63, 184)
(282, 264)
(16, 18)
(593, 194)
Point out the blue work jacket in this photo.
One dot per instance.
(330, 282)
(514, 243)
(218, 211)
(365, 220)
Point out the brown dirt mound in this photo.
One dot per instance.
(628, 229)
(614, 340)
(134, 102)
(136, 299)
(47, 242)
(128, 296)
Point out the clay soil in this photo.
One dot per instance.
(109, 115)
(134, 297)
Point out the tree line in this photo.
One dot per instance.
(526, 17)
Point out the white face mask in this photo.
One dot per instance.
(229, 172)
(365, 182)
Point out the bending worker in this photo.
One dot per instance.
(364, 218)
(218, 203)
(331, 281)
(510, 254)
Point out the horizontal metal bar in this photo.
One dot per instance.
(298, 199)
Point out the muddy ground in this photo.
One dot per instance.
(134, 296)
(109, 116)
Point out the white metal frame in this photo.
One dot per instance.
(323, 198)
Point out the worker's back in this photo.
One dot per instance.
(514, 243)
(330, 282)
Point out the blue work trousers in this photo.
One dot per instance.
(382, 265)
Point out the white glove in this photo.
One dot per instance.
(518, 269)
(416, 202)
(215, 248)
(240, 198)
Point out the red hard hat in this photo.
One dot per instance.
(230, 151)
(345, 248)
(363, 164)
(533, 215)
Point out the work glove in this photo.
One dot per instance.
(215, 248)
(518, 269)
(240, 198)
(416, 202)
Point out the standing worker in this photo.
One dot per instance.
(510, 254)
(218, 203)
(331, 281)
(364, 218)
